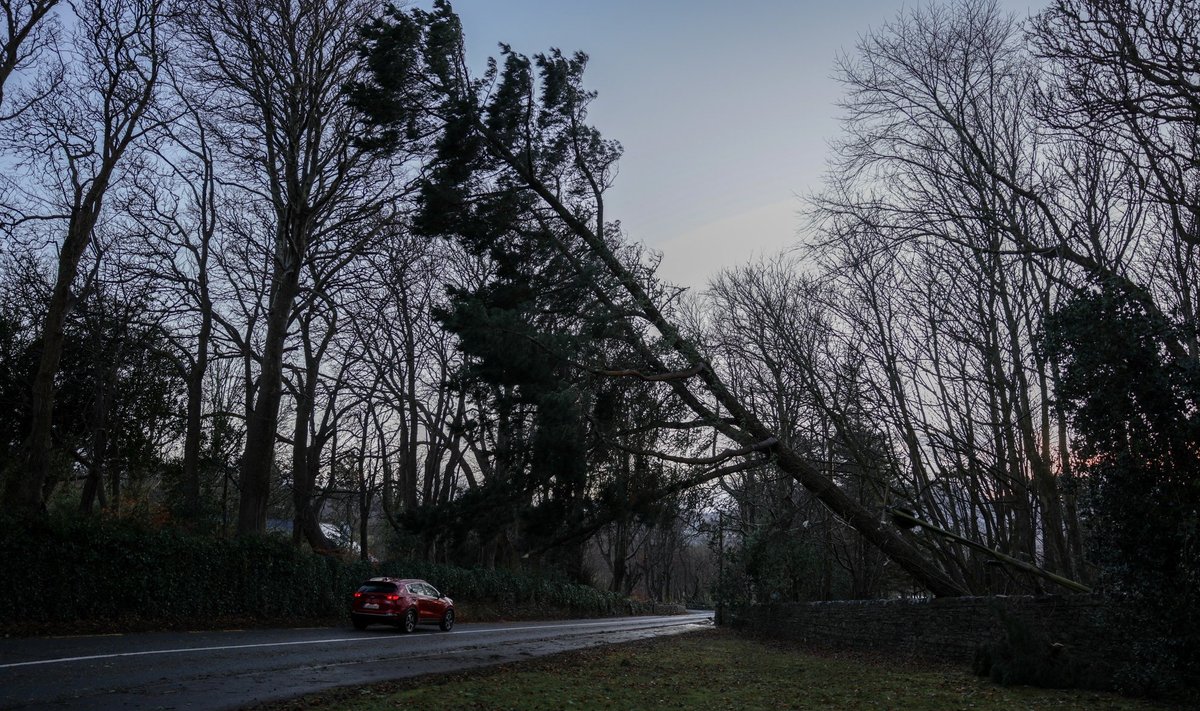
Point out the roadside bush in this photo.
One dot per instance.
(62, 571)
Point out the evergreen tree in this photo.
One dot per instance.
(535, 331)
(1135, 407)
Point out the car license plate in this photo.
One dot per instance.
(371, 606)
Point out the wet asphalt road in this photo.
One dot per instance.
(207, 671)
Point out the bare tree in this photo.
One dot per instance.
(279, 68)
(951, 198)
(319, 409)
(776, 333)
(1124, 88)
(29, 31)
(85, 133)
(175, 203)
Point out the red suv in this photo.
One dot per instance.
(400, 602)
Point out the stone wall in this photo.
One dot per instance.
(946, 629)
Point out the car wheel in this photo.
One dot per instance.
(448, 621)
(359, 624)
(410, 621)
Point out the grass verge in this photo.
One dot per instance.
(706, 670)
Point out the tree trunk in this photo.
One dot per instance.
(93, 487)
(258, 460)
(195, 424)
(23, 488)
(194, 432)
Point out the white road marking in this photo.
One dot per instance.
(91, 657)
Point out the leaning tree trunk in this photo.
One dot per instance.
(749, 428)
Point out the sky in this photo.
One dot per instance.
(725, 109)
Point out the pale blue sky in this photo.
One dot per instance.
(725, 109)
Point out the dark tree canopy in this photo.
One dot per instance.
(1136, 412)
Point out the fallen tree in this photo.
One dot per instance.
(512, 153)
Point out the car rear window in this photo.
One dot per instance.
(378, 588)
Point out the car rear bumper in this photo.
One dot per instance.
(379, 614)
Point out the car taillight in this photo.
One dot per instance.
(393, 597)
(357, 594)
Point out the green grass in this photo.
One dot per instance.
(708, 670)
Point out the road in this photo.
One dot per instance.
(209, 671)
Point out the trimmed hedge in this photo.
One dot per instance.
(64, 571)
